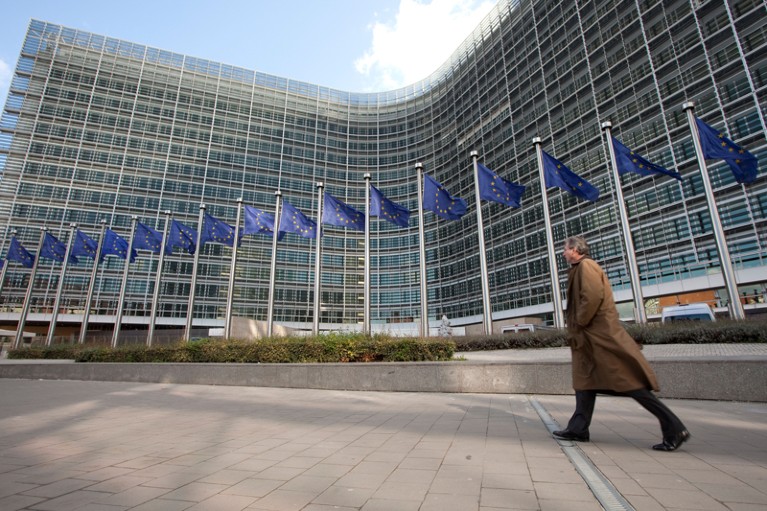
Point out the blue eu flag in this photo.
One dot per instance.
(217, 231)
(84, 245)
(557, 174)
(337, 213)
(16, 252)
(115, 245)
(629, 161)
(293, 220)
(259, 222)
(382, 207)
(181, 236)
(146, 238)
(743, 164)
(494, 188)
(439, 200)
(54, 249)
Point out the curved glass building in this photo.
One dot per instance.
(98, 128)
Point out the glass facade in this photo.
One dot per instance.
(98, 128)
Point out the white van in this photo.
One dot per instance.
(524, 327)
(687, 312)
(519, 327)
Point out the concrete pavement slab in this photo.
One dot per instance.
(117, 445)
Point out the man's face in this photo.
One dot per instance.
(572, 256)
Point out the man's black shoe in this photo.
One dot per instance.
(566, 434)
(673, 443)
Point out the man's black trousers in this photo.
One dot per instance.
(579, 423)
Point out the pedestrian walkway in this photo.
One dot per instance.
(112, 446)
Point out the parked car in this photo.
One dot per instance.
(687, 312)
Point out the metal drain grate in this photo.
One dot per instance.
(607, 495)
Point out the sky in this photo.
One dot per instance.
(350, 45)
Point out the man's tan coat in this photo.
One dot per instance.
(605, 357)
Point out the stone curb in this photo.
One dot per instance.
(729, 379)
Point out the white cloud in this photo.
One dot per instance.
(5, 81)
(422, 38)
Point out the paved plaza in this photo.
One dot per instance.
(112, 446)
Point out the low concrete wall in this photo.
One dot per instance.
(730, 379)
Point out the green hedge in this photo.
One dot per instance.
(59, 351)
(323, 348)
(336, 347)
(653, 333)
(520, 340)
(724, 332)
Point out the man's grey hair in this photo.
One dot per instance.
(578, 243)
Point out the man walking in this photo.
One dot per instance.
(605, 359)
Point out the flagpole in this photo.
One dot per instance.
(28, 297)
(230, 296)
(487, 317)
(5, 264)
(157, 282)
(422, 254)
(318, 262)
(92, 283)
(273, 266)
(60, 287)
(193, 284)
(366, 291)
(2, 275)
(640, 315)
(728, 273)
(556, 297)
(124, 286)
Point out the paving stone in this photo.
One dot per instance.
(195, 492)
(362, 480)
(227, 477)
(578, 492)
(327, 469)
(280, 473)
(508, 499)
(16, 502)
(132, 496)
(394, 490)
(323, 507)
(697, 500)
(223, 503)
(442, 502)
(72, 501)
(102, 474)
(315, 484)
(164, 505)
(253, 487)
(118, 484)
(341, 496)
(283, 500)
(58, 488)
(455, 485)
(507, 481)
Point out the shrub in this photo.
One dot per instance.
(653, 333)
(520, 340)
(334, 347)
(725, 332)
(353, 347)
(59, 351)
